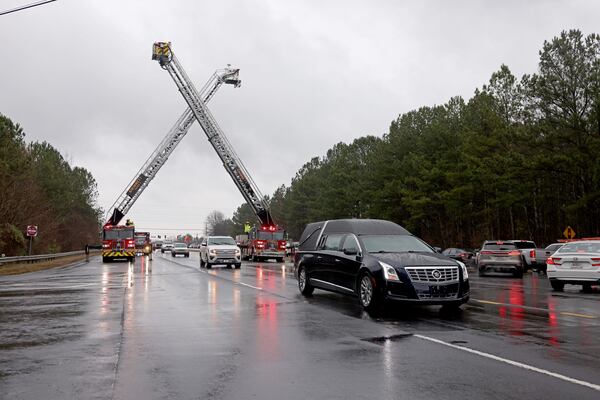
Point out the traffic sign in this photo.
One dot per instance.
(32, 230)
(569, 233)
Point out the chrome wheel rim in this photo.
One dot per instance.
(366, 290)
(302, 279)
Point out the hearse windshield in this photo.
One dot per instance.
(394, 244)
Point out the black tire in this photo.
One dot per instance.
(368, 296)
(228, 266)
(238, 266)
(558, 286)
(306, 289)
(279, 259)
(518, 274)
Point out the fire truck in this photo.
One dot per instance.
(118, 242)
(143, 245)
(261, 243)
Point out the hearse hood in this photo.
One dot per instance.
(416, 259)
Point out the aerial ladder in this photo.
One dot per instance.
(166, 147)
(162, 53)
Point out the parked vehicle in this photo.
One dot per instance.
(500, 256)
(143, 245)
(166, 246)
(180, 248)
(543, 254)
(575, 263)
(263, 243)
(118, 243)
(532, 255)
(220, 250)
(376, 261)
(458, 254)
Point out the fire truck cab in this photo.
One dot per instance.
(118, 242)
(262, 243)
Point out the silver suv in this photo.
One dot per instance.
(220, 250)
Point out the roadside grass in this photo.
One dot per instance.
(22, 268)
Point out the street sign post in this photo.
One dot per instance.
(32, 230)
(569, 233)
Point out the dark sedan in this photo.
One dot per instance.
(458, 254)
(377, 260)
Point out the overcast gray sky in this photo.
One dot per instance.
(78, 74)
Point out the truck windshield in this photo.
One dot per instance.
(262, 235)
(394, 244)
(115, 234)
(139, 240)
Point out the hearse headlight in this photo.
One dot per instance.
(464, 270)
(389, 272)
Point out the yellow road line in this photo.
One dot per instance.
(536, 308)
(488, 302)
(577, 315)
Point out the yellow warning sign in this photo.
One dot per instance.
(569, 233)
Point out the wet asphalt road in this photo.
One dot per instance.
(166, 329)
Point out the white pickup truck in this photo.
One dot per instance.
(535, 258)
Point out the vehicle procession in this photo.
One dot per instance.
(452, 251)
(376, 261)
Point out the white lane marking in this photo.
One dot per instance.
(513, 363)
(245, 284)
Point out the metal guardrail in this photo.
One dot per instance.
(38, 258)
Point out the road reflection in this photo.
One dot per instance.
(268, 328)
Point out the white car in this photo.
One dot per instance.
(220, 250)
(575, 263)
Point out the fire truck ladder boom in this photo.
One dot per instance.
(233, 164)
(162, 152)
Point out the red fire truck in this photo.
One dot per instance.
(118, 242)
(143, 245)
(262, 243)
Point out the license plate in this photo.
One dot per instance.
(438, 290)
(576, 265)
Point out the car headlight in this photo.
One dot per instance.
(213, 251)
(464, 270)
(389, 272)
(238, 252)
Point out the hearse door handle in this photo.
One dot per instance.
(319, 258)
(338, 260)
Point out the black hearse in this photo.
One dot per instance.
(377, 260)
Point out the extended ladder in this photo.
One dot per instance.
(233, 164)
(162, 152)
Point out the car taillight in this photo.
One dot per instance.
(553, 261)
(532, 254)
(514, 253)
(130, 243)
(595, 262)
(106, 245)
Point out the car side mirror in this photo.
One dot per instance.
(350, 252)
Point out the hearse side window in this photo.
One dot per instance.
(331, 242)
(350, 243)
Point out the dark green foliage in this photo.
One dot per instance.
(520, 159)
(38, 187)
